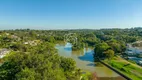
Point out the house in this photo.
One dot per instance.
(15, 37)
(133, 50)
(3, 52)
(33, 43)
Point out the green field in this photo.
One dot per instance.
(127, 68)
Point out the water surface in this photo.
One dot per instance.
(84, 60)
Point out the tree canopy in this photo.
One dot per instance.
(41, 64)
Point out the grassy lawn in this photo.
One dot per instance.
(129, 69)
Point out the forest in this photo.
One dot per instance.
(33, 55)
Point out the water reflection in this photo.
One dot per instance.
(95, 64)
(68, 49)
(91, 64)
(68, 45)
(88, 56)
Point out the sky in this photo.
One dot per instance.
(70, 14)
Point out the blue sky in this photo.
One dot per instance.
(70, 14)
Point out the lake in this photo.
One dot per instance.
(85, 61)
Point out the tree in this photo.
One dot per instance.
(109, 53)
(67, 64)
(117, 46)
(26, 74)
(40, 63)
(100, 48)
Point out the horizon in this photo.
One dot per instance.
(70, 29)
(70, 14)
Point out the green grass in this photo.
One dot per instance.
(129, 70)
